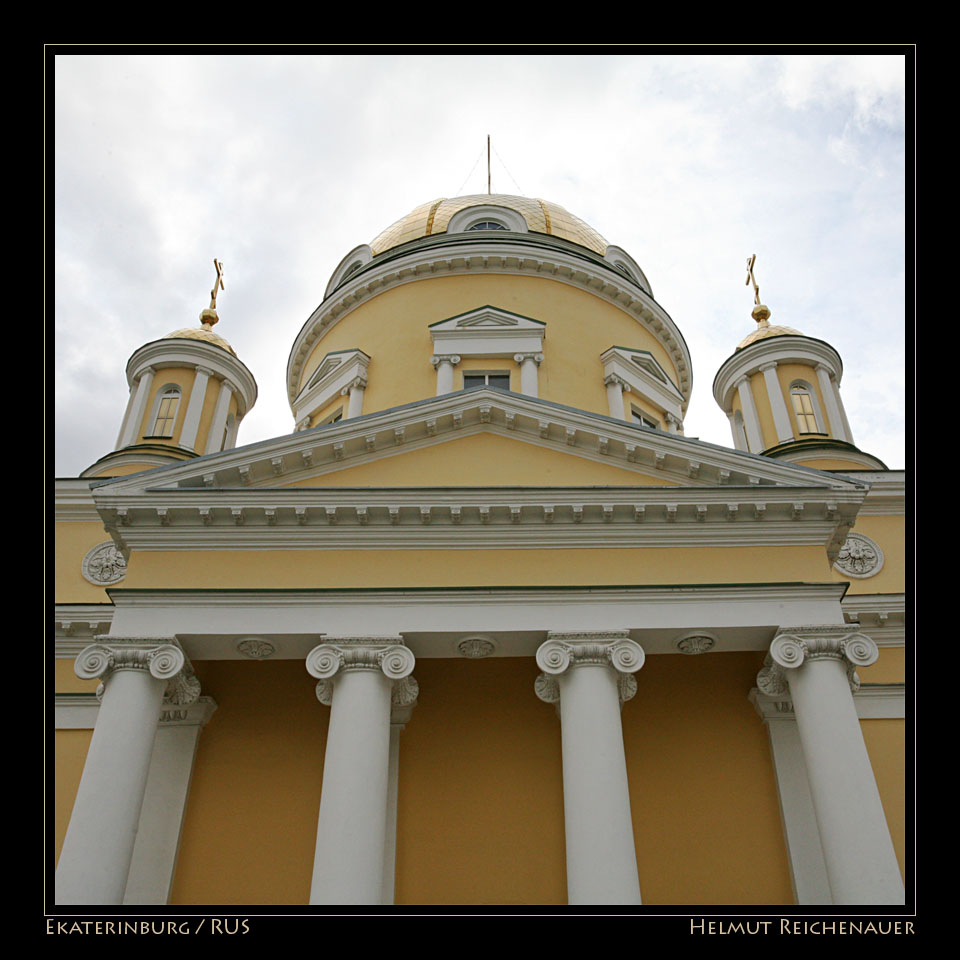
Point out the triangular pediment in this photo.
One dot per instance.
(487, 317)
(639, 451)
(456, 467)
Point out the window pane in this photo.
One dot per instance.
(499, 381)
(473, 380)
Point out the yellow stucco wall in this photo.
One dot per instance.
(165, 377)
(888, 533)
(484, 459)
(299, 569)
(890, 667)
(69, 755)
(393, 329)
(74, 538)
(886, 745)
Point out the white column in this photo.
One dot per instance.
(615, 389)
(781, 417)
(403, 700)
(673, 423)
(219, 422)
(590, 675)
(131, 429)
(191, 419)
(831, 398)
(528, 372)
(751, 421)
(98, 847)
(739, 437)
(355, 404)
(444, 364)
(356, 678)
(817, 665)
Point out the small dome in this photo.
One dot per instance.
(204, 333)
(764, 331)
(541, 216)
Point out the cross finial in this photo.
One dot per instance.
(751, 279)
(216, 283)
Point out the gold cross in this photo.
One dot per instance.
(750, 278)
(216, 283)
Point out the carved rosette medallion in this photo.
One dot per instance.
(255, 648)
(387, 654)
(565, 650)
(162, 658)
(791, 648)
(859, 557)
(476, 648)
(694, 643)
(104, 565)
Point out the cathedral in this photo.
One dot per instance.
(480, 625)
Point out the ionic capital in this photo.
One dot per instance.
(161, 657)
(615, 379)
(563, 651)
(792, 647)
(537, 358)
(386, 654)
(452, 358)
(772, 365)
(357, 383)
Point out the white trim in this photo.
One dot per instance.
(517, 620)
(615, 256)
(466, 218)
(191, 420)
(488, 332)
(215, 435)
(168, 783)
(799, 387)
(361, 253)
(781, 416)
(338, 371)
(643, 376)
(751, 422)
(135, 413)
(150, 424)
(831, 397)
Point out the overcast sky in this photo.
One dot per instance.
(279, 165)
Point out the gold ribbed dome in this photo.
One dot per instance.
(541, 216)
(204, 333)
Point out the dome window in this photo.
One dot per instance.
(487, 225)
(166, 414)
(805, 408)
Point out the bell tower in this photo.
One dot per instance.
(188, 393)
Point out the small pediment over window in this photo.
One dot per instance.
(487, 316)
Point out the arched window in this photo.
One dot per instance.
(805, 408)
(488, 225)
(166, 412)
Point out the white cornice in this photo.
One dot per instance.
(882, 617)
(72, 500)
(78, 711)
(367, 438)
(76, 624)
(527, 258)
(887, 495)
(434, 621)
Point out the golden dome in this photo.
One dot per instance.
(204, 333)
(764, 331)
(541, 216)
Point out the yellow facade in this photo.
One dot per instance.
(500, 517)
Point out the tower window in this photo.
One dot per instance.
(804, 409)
(488, 225)
(499, 381)
(166, 412)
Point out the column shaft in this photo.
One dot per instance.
(348, 865)
(131, 431)
(860, 859)
(98, 846)
(601, 857)
(219, 422)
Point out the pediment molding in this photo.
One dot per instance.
(488, 331)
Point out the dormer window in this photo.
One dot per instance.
(499, 381)
(488, 225)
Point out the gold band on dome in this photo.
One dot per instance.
(546, 215)
(432, 214)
